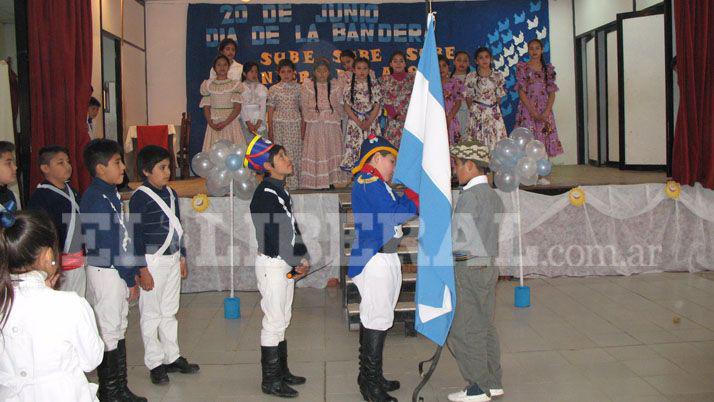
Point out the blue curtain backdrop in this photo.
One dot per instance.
(268, 33)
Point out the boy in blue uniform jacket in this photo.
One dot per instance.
(111, 282)
(161, 256)
(61, 202)
(374, 264)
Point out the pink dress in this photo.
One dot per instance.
(453, 92)
(323, 146)
(537, 87)
(396, 90)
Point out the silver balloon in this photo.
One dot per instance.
(506, 181)
(219, 152)
(215, 190)
(536, 150)
(508, 152)
(244, 189)
(219, 178)
(237, 149)
(522, 136)
(201, 164)
(527, 170)
(495, 164)
(242, 174)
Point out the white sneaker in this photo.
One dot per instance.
(496, 392)
(461, 396)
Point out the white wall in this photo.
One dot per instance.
(642, 4)
(591, 14)
(8, 47)
(166, 65)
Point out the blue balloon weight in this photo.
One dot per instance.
(234, 162)
(544, 167)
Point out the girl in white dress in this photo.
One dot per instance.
(221, 104)
(49, 337)
(254, 98)
(228, 48)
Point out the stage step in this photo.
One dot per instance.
(407, 277)
(404, 312)
(408, 246)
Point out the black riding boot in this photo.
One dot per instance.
(109, 381)
(288, 377)
(388, 385)
(125, 393)
(273, 383)
(370, 377)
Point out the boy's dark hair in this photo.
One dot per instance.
(6, 146)
(286, 63)
(98, 151)
(249, 66)
(483, 169)
(150, 156)
(94, 102)
(20, 246)
(225, 42)
(219, 57)
(47, 153)
(275, 150)
(348, 53)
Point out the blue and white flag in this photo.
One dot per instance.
(424, 166)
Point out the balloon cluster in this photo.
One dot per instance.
(222, 164)
(519, 159)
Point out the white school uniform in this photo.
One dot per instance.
(48, 342)
(158, 307)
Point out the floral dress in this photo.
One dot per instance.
(221, 96)
(284, 99)
(485, 119)
(362, 105)
(453, 92)
(323, 145)
(537, 88)
(397, 90)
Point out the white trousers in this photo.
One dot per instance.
(75, 280)
(158, 308)
(107, 294)
(276, 292)
(379, 285)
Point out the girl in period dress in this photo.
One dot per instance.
(396, 89)
(228, 48)
(536, 87)
(221, 105)
(462, 67)
(49, 337)
(484, 90)
(453, 90)
(254, 98)
(284, 117)
(322, 145)
(362, 98)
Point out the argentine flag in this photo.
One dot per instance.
(424, 166)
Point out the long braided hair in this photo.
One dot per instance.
(543, 66)
(369, 80)
(322, 62)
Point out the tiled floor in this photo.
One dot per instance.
(584, 339)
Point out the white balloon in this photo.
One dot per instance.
(527, 168)
(522, 136)
(244, 189)
(219, 152)
(201, 164)
(536, 150)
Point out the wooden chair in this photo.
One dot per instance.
(182, 157)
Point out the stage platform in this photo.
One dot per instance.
(562, 179)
